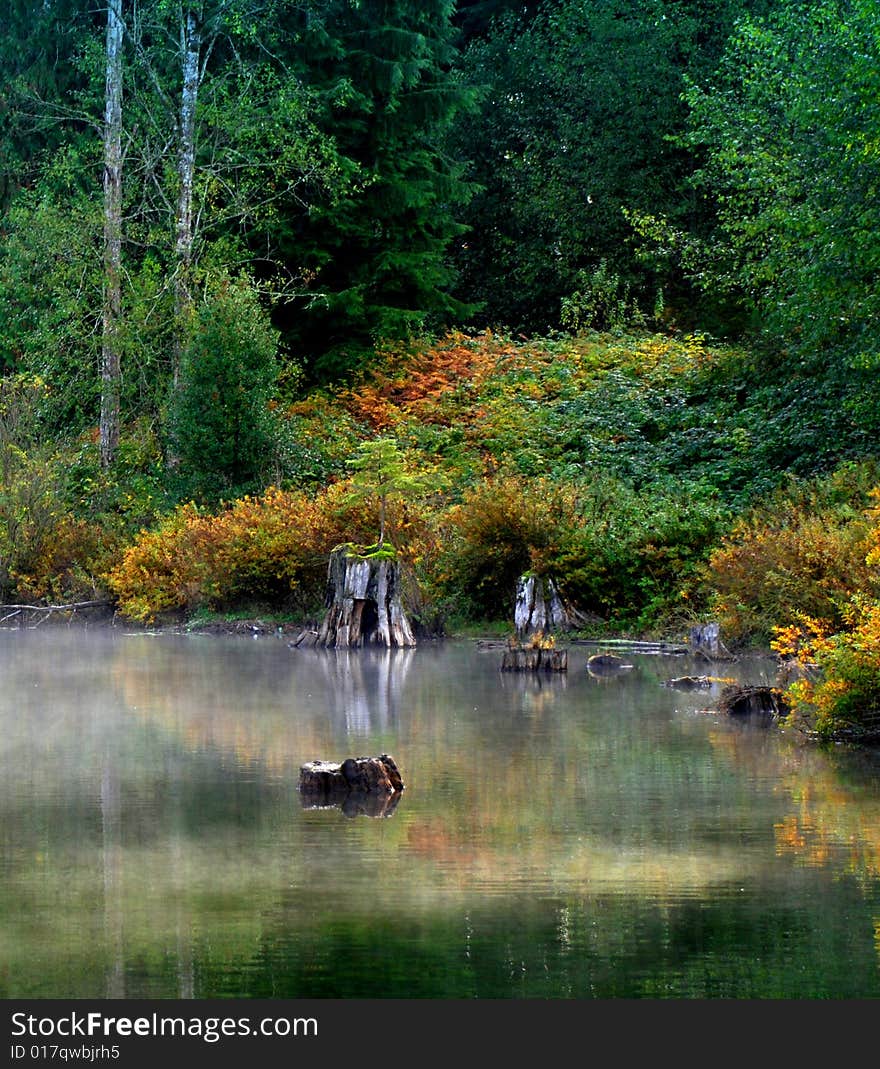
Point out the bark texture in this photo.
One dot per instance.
(539, 608)
(534, 659)
(190, 52)
(364, 604)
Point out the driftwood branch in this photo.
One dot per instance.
(71, 606)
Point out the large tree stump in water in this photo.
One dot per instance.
(364, 605)
(539, 608)
(534, 659)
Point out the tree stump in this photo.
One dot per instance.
(759, 701)
(534, 659)
(539, 608)
(706, 644)
(364, 605)
(353, 774)
(368, 786)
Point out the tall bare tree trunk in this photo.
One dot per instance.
(112, 312)
(190, 49)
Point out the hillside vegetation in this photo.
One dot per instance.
(578, 288)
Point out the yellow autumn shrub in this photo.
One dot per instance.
(272, 548)
(797, 555)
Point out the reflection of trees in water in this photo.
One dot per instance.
(275, 711)
(834, 816)
(112, 865)
(198, 842)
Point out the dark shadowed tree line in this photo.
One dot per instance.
(357, 172)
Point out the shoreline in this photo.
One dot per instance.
(266, 626)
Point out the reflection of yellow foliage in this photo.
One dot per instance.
(789, 836)
(832, 825)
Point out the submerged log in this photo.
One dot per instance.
(327, 780)
(631, 645)
(364, 603)
(753, 701)
(606, 662)
(695, 682)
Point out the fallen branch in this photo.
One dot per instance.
(69, 607)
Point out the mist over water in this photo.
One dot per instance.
(560, 836)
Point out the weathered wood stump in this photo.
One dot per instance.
(705, 643)
(539, 608)
(327, 782)
(534, 659)
(364, 603)
(757, 701)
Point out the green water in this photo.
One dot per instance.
(562, 837)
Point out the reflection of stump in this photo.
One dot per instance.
(364, 605)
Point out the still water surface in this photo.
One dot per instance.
(559, 837)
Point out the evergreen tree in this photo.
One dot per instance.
(220, 422)
(376, 258)
(41, 60)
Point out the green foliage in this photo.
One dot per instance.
(601, 302)
(221, 428)
(50, 290)
(580, 110)
(41, 56)
(46, 552)
(788, 131)
(634, 558)
(379, 473)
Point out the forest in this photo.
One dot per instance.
(584, 288)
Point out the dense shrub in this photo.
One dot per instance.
(630, 558)
(633, 557)
(271, 549)
(839, 687)
(505, 526)
(802, 551)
